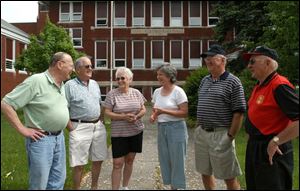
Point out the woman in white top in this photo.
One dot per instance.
(170, 107)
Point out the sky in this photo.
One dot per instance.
(19, 11)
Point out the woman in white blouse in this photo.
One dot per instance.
(170, 107)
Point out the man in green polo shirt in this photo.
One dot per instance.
(42, 97)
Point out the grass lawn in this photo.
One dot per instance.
(14, 167)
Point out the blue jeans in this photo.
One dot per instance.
(47, 162)
(172, 144)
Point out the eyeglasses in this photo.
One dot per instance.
(88, 66)
(122, 78)
(251, 61)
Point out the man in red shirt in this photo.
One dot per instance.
(272, 122)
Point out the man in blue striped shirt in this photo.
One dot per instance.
(220, 111)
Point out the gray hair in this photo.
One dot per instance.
(80, 61)
(169, 70)
(126, 71)
(57, 57)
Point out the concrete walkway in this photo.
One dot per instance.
(146, 171)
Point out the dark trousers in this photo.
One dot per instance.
(260, 175)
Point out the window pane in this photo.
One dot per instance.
(138, 9)
(195, 49)
(76, 33)
(119, 63)
(101, 50)
(156, 9)
(138, 49)
(102, 9)
(175, 8)
(119, 50)
(9, 49)
(65, 7)
(77, 7)
(175, 49)
(76, 42)
(119, 9)
(157, 49)
(101, 63)
(194, 8)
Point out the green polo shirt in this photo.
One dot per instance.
(44, 104)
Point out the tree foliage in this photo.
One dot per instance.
(36, 58)
(271, 23)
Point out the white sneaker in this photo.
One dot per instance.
(124, 188)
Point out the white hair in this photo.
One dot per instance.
(126, 71)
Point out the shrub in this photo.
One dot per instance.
(191, 89)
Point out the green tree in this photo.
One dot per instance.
(283, 35)
(37, 56)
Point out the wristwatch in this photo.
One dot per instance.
(276, 140)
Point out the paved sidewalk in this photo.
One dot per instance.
(146, 172)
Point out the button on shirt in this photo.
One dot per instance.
(84, 101)
(44, 103)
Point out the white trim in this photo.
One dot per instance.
(96, 59)
(177, 65)
(208, 17)
(163, 23)
(133, 18)
(144, 53)
(175, 18)
(13, 35)
(163, 52)
(71, 13)
(122, 19)
(189, 16)
(195, 59)
(125, 54)
(96, 18)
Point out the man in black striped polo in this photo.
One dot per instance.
(220, 111)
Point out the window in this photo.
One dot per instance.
(212, 19)
(157, 19)
(138, 54)
(195, 54)
(120, 53)
(76, 35)
(157, 52)
(101, 13)
(176, 53)
(101, 54)
(19, 48)
(10, 52)
(70, 11)
(120, 13)
(176, 16)
(138, 13)
(195, 13)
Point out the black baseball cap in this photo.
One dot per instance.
(261, 50)
(214, 50)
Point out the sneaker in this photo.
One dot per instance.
(124, 188)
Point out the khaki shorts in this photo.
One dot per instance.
(87, 140)
(215, 154)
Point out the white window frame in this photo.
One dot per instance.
(176, 21)
(120, 21)
(103, 19)
(101, 59)
(154, 60)
(195, 19)
(118, 59)
(178, 63)
(209, 18)
(195, 60)
(157, 21)
(71, 35)
(137, 20)
(71, 14)
(11, 61)
(138, 59)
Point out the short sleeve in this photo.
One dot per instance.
(180, 96)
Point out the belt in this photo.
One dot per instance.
(51, 133)
(212, 129)
(83, 121)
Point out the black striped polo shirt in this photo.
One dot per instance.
(219, 99)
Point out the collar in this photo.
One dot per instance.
(80, 81)
(268, 79)
(222, 77)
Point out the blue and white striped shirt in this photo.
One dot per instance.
(219, 99)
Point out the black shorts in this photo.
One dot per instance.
(121, 146)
